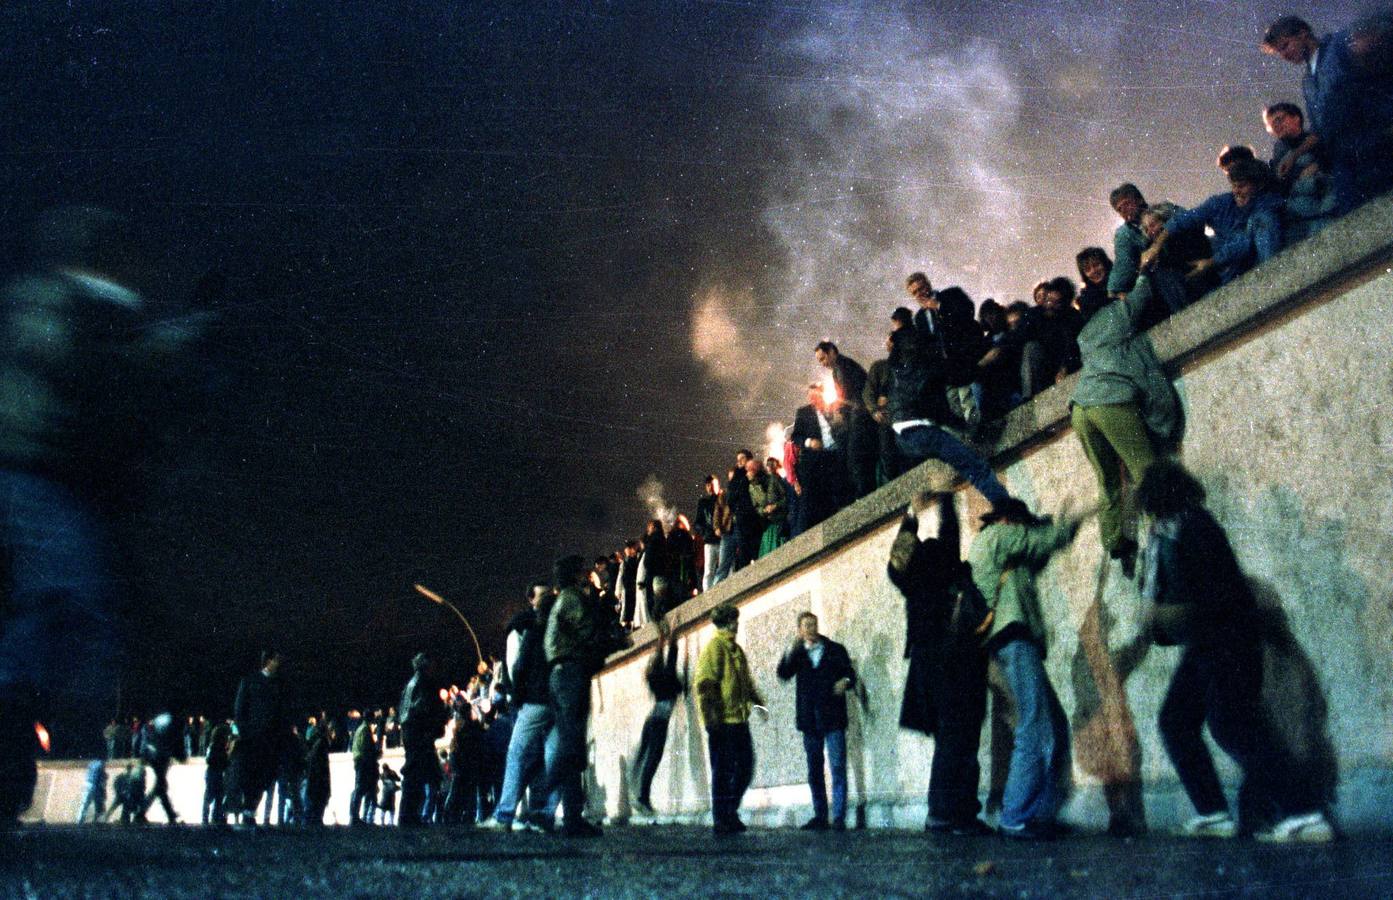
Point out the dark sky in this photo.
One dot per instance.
(494, 266)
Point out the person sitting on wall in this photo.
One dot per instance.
(1247, 223)
(1298, 163)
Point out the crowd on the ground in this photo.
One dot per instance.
(472, 755)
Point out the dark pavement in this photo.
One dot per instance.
(157, 861)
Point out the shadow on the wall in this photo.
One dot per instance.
(1104, 733)
(857, 788)
(1296, 707)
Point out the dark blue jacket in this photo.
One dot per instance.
(819, 709)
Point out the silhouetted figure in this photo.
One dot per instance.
(945, 693)
(262, 728)
(164, 742)
(422, 716)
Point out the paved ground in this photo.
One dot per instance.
(157, 861)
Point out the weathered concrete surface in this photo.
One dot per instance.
(665, 862)
(1288, 385)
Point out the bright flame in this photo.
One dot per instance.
(774, 441)
(44, 740)
(829, 390)
(685, 523)
(444, 696)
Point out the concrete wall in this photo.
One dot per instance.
(62, 785)
(1287, 380)
(1288, 384)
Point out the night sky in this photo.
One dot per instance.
(493, 267)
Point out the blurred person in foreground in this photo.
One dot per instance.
(85, 365)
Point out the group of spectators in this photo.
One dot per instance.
(948, 371)
(953, 367)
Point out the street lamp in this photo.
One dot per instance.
(433, 597)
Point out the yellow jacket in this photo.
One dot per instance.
(725, 691)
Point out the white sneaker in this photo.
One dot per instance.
(1310, 828)
(1214, 825)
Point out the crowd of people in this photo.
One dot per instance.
(519, 732)
(954, 367)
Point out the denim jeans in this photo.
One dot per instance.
(732, 769)
(726, 555)
(1035, 785)
(420, 778)
(836, 760)
(1220, 685)
(930, 442)
(570, 704)
(528, 749)
(711, 564)
(213, 797)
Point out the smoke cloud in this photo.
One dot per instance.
(885, 154)
(652, 494)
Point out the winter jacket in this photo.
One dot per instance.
(1017, 552)
(530, 671)
(1120, 366)
(725, 690)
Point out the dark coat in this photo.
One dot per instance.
(850, 378)
(259, 709)
(805, 426)
(917, 381)
(421, 711)
(924, 572)
(662, 676)
(530, 669)
(819, 709)
(738, 496)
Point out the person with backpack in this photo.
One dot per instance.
(945, 694)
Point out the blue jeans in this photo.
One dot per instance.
(528, 749)
(1035, 784)
(931, 442)
(570, 704)
(726, 555)
(58, 634)
(836, 758)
